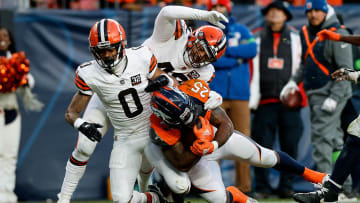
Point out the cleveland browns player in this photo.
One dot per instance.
(210, 39)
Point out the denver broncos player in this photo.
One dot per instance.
(174, 118)
(119, 77)
(206, 39)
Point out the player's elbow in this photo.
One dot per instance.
(165, 11)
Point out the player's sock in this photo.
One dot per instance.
(144, 180)
(313, 176)
(236, 195)
(73, 174)
(288, 164)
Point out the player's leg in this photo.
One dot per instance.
(207, 181)
(144, 174)
(76, 165)
(9, 147)
(125, 164)
(346, 162)
(260, 156)
(177, 181)
(239, 114)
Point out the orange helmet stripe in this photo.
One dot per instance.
(166, 99)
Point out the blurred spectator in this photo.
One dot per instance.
(18, 82)
(123, 4)
(232, 80)
(302, 2)
(326, 97)
(278, 58)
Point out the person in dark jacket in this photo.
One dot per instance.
(232, 80)
(277, 60)
(326, 97)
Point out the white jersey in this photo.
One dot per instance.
(124, 97)
(168, 43)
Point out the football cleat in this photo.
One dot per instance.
(155, 189)
(326, 193)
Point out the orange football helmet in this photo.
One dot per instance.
(205, 45)
(104, 35)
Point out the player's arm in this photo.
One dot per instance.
(180, 157)
(206, 143)
(330, 35)
(159, 78)
(165, 23)
(75, 107)
(224, 126)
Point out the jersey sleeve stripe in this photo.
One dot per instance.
(84, 88)
(212, 77)
(178, 30)
(153, 63)
(80, 83)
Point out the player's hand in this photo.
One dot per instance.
(215, 17)
(290, 87)
(214, 101)
(206, 132)
(329, 105)
(201, 147)
(90, 130)
(157, 83)
(346, 74)
(327, 34)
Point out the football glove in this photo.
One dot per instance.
(206, 132)
(201, 148)
(157, 83)
(327, 34)
(90, 130)
(329, 105)
(289, 87)
(346, 74)
(214, 101)
(215, 17)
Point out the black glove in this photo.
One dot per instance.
(157, 83)
(90, 130)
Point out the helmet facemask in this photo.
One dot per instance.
(108, 63)
(199, 52)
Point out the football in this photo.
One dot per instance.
(293, 100)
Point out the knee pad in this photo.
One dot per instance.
(179, 185)
(85, 148)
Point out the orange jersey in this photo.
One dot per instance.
(165, 136)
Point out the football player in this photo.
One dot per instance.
(181, 62)
(119, 77)
(348, 158)
(174, 118)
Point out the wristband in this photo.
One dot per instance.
(78, 122)
(171, 81)
(216, 145)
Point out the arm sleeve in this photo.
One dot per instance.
(165, 22)
(342, 56)
(299, 74)
(247, 48)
